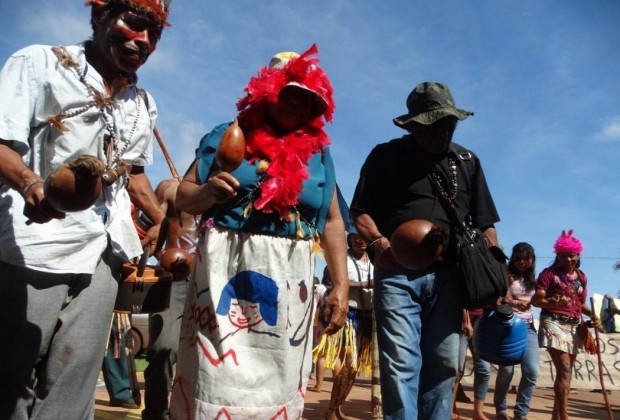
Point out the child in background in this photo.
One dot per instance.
(522, 279)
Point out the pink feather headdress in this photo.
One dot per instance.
(567, 243)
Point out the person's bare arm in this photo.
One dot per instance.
(196, 198)
(166, 192)
(334, 245)
(468, 328)
(541, 300)
(144, 198)
(586, 310)
(18, 176)
(379, 245)
(491, 234)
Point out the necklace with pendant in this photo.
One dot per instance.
(114, 147)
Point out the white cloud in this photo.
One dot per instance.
(610, 130)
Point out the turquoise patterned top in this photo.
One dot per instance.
(314, 200)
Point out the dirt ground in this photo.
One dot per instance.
(584, 404)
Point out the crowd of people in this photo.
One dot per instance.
(240, 325)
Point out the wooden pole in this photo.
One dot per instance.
(166, 153)
(375, 393)
(600, 365)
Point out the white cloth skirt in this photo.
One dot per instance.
(246, 337)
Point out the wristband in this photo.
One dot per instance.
(374, 241)
(31, 183)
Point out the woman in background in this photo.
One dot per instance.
(561, 292)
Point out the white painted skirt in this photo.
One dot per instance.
(246, 337)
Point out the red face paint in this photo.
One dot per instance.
(137, 29)
(132, 37)
(123, 40)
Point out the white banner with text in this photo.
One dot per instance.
(586, 374)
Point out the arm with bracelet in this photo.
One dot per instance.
(18, 176)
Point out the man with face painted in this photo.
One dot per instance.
(59, 268)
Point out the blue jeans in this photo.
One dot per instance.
(418, 323)
(529, 373)
(482, 372)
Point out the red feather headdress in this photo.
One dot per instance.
(287, 156)
(156, 9)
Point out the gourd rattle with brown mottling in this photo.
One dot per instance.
(231, 150)
(418, 243)
(75, 185)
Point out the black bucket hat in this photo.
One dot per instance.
(428, 103)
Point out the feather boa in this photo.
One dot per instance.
(288, 165)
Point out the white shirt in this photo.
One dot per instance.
(365, 274)
(518, 291)
(34, 86)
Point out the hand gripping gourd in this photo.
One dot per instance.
(417, 243)
(75, 185)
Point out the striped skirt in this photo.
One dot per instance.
(558, 334)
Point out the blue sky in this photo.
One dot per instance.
(543, 79)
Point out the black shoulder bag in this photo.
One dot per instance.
(481, 270)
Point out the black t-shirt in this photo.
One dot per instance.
(394, 186)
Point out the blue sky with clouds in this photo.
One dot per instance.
(543, 79)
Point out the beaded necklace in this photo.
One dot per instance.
(446, 190)
(114, 147)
